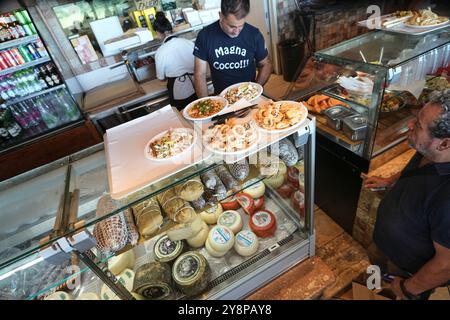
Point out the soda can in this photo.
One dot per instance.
(26, 16)
(33, 52)
(27, 29)
(25, 54)
(16, 54)
(9, 59)
(19, 16)
(3, 64)
(33, 28)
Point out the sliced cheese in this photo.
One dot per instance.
(211, 215)
(221, 238)
(255, 190)
(185, 230)
(166, 250)
(200, 239)
(246, 243)
(213, 252)
(88, 296)
(59, 295)
(126, 278)
(119, 263)
(231, 219)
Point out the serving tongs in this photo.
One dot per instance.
(241, 113)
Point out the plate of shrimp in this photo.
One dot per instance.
(280, 116)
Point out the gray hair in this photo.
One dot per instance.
(440, 128)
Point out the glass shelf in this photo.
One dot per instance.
(24, 66)
(33, 95)
(18, 42)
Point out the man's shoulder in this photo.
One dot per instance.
(251, 29)
(211, 28)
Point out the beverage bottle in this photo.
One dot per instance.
(46, 76)
(9, 123)
(39, 78)
(55, 107)
(20, 118)
(68, 107)
(9, 89)
(51, 70)
(26, 114)
(33, 111)
(49, 119)
(4, 135)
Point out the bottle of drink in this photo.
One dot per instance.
(21, 119)
(51, 70)
(40, 79)
(46, 76)
(67, 106)
(4, 135)
(27, 114)
(49, 119)
(33, 111)
(9, 123)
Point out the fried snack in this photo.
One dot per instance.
(278, 115)
(319, 103)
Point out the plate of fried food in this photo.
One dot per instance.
(205, 108)
(275, 117)
(249, 91)
(170, 144)
(425, 19)
(231, 138)
(318, 103)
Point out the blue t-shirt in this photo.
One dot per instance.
(231, 60)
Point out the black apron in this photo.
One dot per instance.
(180, 104)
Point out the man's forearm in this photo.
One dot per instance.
(433, 274)
(201, 89)
(264, 74)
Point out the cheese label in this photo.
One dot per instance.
(228, 218)
(261, 219)
(166, 246)
(188, 267)
(245, 238)
(252, 185)
(153, 292)
(221, 236)
(211, 210)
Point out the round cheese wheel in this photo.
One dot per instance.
(275, 181)
(230, 203)
(191, 273)
(259, 204)
(166, 250)
(246, 243)
(59, 295)
(211, 215)
(246, 202)
(88, 296)
(213, 252)
(137, 296)
(231, 219)
(153, 281)
(119, 263)
(221, 238)
(126, 278)
(263, 223)
(286, 190)
(200, 239)
(293, 176)
(255, 189)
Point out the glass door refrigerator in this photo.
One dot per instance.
(34, 99)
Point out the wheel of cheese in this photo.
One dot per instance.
(119, 263)
(211, 215)
(255, 189)
(185, 230)
(191, 273)
(230, 203)
(88, 296)
(59, 295)
(286, 189)
(213, 252)
(231, 219)
(126, 278)
(259, 204)
(200, 239)
(275, 181)
(166, 250)
(246, 243)
(137, 296)
(293, 176)
(153, 281)
(246, 202)
(221, 238)
(263, 223)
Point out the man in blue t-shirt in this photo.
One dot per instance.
(232, 48)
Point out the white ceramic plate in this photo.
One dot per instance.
(190, 105)
(298, 124)
(225, 153)
(425, 27)
(150, 156)
(257, 85)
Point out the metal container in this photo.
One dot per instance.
(355, 127)
(336, 114)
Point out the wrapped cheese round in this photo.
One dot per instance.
(199, 240)
(221, 238)
(263, 223)
(271, 165)
(255, 188)
(230, 203)
(119, 263)
(190, 190)
(126, 278)
(246, 243)
(59, 295)
(231, 219)
(211, 214)
(246, 202)
(185, 230)
(88, 296)
(184, 214)
(275, 181)
(191, 273)
(259, 204)
(166, 250)
(153, 281)
(212, 252)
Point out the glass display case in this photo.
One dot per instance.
(62, 236)
(365, 90)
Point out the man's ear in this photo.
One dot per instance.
(444, 145)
